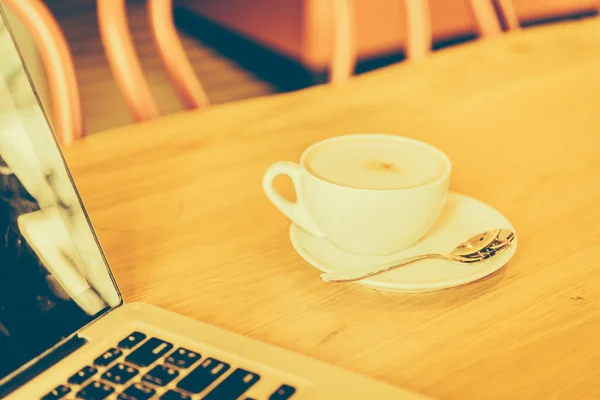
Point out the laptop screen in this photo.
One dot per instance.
(53, 277)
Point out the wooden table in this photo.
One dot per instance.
(179, 208)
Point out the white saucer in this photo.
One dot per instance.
(462, 218)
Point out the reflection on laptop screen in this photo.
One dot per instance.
(53, 277)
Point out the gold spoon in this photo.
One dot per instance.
(478, 248)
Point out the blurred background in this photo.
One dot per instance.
(241, 49)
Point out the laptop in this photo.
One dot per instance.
(65, 332)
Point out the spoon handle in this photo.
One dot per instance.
(356, 275)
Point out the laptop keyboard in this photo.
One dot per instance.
(116, 374)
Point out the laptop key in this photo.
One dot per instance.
(182, 358)
(132, 340)
(203, 375)
(175, 395)
(284, 392)
(233, 386)
(58, 393)
(161, 375)
(120, 374)
(83, 375)
(111, 355)
(95, 391)
(137, 391)
(149, 352)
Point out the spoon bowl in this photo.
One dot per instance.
(473, 250)
(483, 246)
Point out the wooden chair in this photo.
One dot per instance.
(123, 61)
(419, 38)
(126, 67)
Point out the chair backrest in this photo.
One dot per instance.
(419, 33)
(125, 64)
(58, 64)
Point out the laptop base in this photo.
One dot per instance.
(203, 358)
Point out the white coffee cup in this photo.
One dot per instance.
(366, 193)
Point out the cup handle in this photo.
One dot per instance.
(294, 211)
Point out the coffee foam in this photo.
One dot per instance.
(375, 163)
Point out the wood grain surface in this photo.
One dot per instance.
(178, 206)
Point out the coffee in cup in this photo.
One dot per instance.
(366, 193)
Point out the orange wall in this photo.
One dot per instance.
(531, 10)
(299, 28)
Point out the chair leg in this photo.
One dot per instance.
(58, 64)
(418, 23)
(344, 51)
(172, 54)
(509, 15)
(123, 60)
(486, 18)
